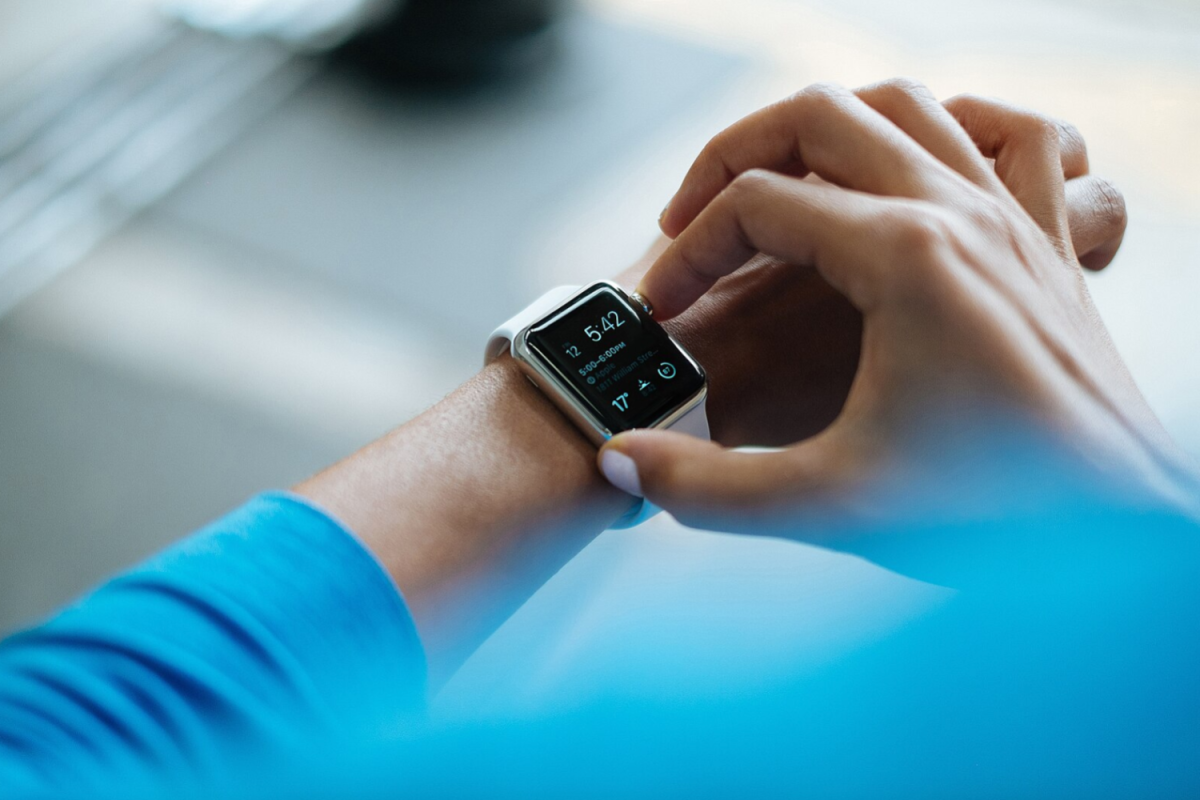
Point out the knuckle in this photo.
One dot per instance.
(823, 95)
(751, 183)
(713, 145)
(904, 89)
(1069, 138)
(713, 152)
(922, 233)
(975, 113)
(1035, 127)
(745, 199)
(988, 213)
(926, 273)
(966, 101)
(692, 268)
(1110, 204)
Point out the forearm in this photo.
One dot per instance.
(475, 503)
(472, 505)
(274, 619)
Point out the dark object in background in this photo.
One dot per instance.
(456, 41)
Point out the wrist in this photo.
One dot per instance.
(551, 463)
(473, 505)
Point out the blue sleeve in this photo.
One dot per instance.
(267, 623)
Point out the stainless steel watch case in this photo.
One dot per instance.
(546, 378)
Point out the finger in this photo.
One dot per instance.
(825, 130)
(911, 107)
(1097, 218)
(847, 236)
(705, 485)
(990, 122)
(1033, 155)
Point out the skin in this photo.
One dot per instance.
(474, 504)
(456, 505)
(952, 229)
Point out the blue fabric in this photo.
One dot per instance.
(261, 628)
(269, 655)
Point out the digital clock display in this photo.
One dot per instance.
(619, 362)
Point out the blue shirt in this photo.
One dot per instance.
(261, 626)
(269, 654)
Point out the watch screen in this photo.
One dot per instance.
(619, 362)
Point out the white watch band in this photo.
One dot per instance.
(694, 422)
(503, 337)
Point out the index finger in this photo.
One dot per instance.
(823, 129)
(847, 236)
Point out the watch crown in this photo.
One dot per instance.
(643, 302)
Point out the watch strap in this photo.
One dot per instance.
(502, 338)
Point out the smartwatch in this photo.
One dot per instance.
(598, 355)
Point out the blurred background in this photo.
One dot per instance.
(241, 238)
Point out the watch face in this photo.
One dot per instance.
(616, 360)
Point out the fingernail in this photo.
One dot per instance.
(621, 471)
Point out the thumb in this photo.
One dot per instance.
(704, 485)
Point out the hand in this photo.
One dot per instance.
(747, 328)
(454, 502)
(965, 273)
(742, 332)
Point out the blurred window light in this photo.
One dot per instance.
(309, 24)
(81, 153)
